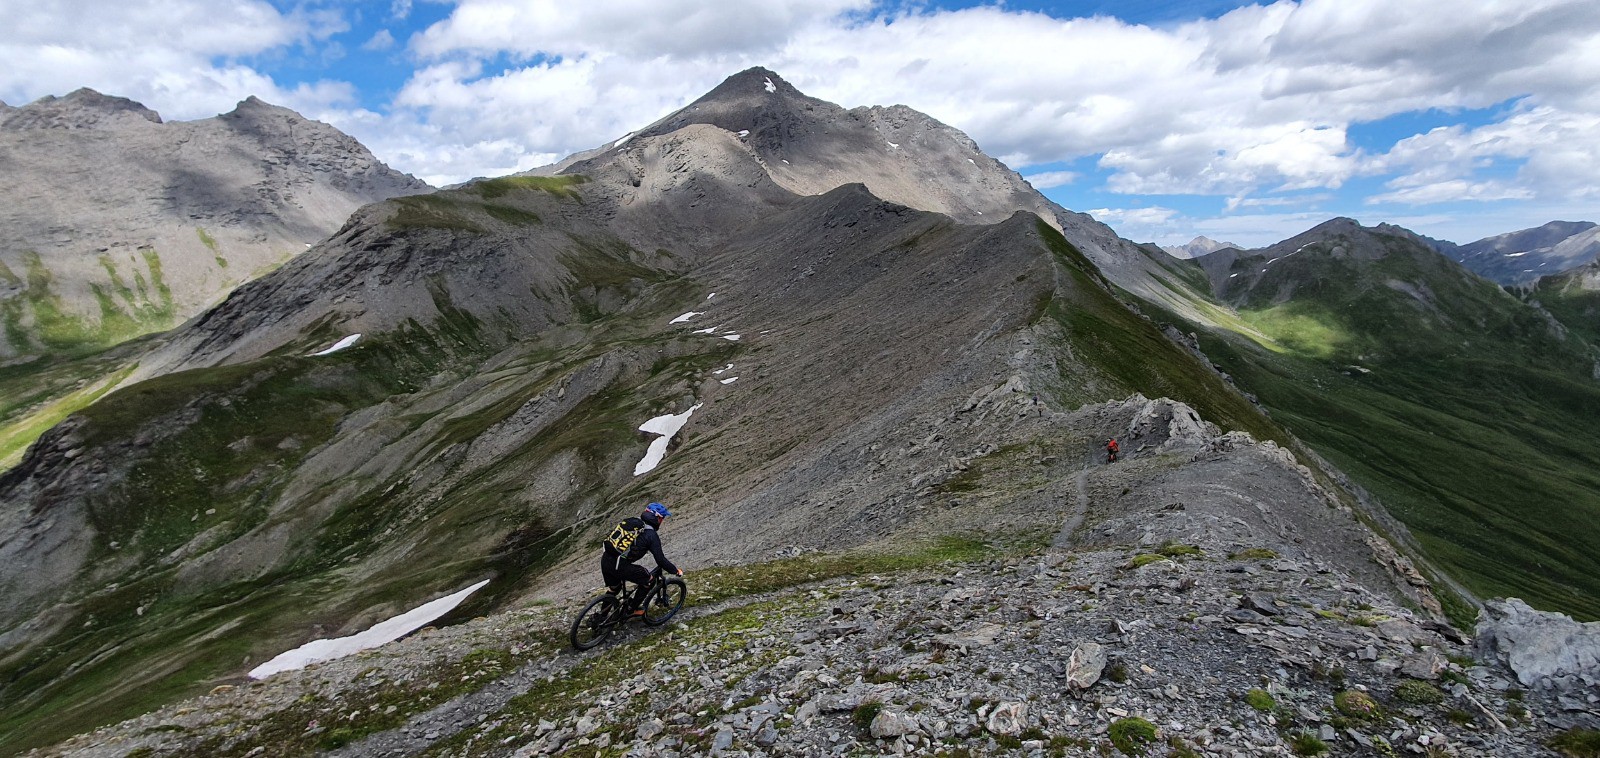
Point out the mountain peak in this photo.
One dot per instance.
(82, 108)
(756, 80)
(255, 107)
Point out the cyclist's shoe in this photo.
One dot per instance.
(638, 613)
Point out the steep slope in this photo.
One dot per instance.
(810, 146)
(1469, 413)
(1573, 298)
(856, 370)
(114, 223)
(1522, 256)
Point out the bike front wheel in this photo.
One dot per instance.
(665, 602)
(595, 622)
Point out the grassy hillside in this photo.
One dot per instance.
(1475, 421)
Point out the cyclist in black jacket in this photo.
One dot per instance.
(628, 543)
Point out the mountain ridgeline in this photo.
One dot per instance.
(1469, 412)
(888, 347)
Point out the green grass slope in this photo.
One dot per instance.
(1474, 420)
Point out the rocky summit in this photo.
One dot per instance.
(875, 392)
(114, 223)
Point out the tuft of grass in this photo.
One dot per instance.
(1254, 554)
(1418, 693)
(1577, 743)
(1145, 559)
(863, 715)
(1133, 736)
(1174, 550)
(1356, 705)
(1260, 700)
(1306, 743)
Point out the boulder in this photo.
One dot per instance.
(1542, 648)
(892, 724)
(1009, 719)
(1085, 665)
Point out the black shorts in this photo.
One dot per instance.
(616, 569)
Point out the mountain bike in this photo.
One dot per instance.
(609, 612)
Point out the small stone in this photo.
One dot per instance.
(1260, 602)
(651, 729)
(1327, 733)
(722, 741)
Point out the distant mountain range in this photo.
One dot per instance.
(1196, 247)
(1520, 257)
(114, 223)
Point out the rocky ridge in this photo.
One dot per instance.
(1219, 648)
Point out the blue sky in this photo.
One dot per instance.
(1242, 122)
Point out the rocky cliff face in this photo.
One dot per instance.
(857, 375)
(114, 223)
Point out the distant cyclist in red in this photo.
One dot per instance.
(1111, 451)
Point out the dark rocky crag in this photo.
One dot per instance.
(867, 374)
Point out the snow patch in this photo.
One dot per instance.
(667, 426)
(340, 345)
(686, 317)
(382, 633)
(731, 337)
(712, 295)
(744, 132)
(973, 162)
(892, 144)
(1517, 255)
(770, 86)
(623, 141)
(719, 371)
(707, 330)
(1230, 276)
(784, 162)
(730, 380)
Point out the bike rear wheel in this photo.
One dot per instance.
(665, 601)
(595, 622)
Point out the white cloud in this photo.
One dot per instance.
(382, 40)
(1134, 216)
(176, 56)
(1453, 190)
(1261, 98)
(1047, 179)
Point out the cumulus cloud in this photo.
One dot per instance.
(1259, 100)
(382, 40)
(178, 56)
(1047, 179)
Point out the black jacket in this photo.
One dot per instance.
(649, 541)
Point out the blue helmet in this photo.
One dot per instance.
(658, 509)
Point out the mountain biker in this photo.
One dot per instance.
(1111, 451)
(637, 537)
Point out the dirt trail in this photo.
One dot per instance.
(1080, 508)
(445, 720)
